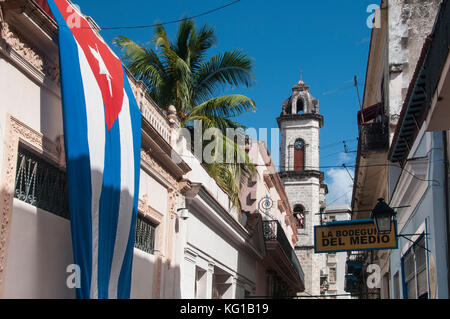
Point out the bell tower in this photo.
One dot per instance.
(300, 123)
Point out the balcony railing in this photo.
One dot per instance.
(353, 271)
(273, 231)
(44, 6)
(374, 137)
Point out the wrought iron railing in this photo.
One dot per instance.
(145, 235)
(41, 184)
(44, 186)
(359, 257)
(273, 231)
(374, 137)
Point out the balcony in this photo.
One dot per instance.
(355, 263)
(374, 137)
(354, 266)
(351, 284)
(44, 6)
(282, 252)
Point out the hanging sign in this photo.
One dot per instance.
(353, 236)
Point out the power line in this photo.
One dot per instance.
(319, 168)
(164, 23)
(334, 201)
(339, 143)
(351, 177)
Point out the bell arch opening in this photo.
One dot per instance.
(299, 214)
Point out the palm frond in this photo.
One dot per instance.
(225, 106)
(178, 73)
(232, 68)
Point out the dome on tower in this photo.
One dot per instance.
(301, 101)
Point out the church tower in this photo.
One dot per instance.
(300, 124)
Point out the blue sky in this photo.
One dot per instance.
(327, 40)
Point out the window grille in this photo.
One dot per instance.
(41, 184)
(44, 186)
(145, 235)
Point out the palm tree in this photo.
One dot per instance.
(180, 74)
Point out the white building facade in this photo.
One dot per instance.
(336, 262)
(190, 241)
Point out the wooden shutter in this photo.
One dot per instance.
(299, 160)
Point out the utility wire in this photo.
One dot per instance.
(334, 201)
(339, 143)
(340, 166)
(164, 23)
(351, 177)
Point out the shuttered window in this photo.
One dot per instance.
(415, 268)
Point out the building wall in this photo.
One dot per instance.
(40, 251)
(37, 249)
(410, 22)
(426, 215)
(265, 185)
(309, 131)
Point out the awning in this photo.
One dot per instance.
(370, 113)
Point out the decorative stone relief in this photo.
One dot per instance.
(32, 56)
(145, 209)
(147, 158)
(18, 45)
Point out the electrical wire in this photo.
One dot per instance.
(339, 143)
(346, 166)
(334, 201)
(164, 23)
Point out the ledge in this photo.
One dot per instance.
(303, 174)
(306, 116)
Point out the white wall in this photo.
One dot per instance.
(40, 249)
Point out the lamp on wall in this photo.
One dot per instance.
(183, 213)
(382, 216)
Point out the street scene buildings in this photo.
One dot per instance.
(403, 152)
(252, 234)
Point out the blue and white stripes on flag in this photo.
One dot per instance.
(102, 127)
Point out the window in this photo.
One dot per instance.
(396, 286)
(386, 287)
(145, 235)
(200, 283)
(299, 155)
(415, 271)
(44, 186)
(332, 276)
(41, 184)
(299, 214)
(300, 106)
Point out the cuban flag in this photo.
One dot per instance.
(102, 127)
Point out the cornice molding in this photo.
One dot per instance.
(303, 174)
(300, 117)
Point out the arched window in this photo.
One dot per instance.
(299, 214)
(300, 106)
(299, 155)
